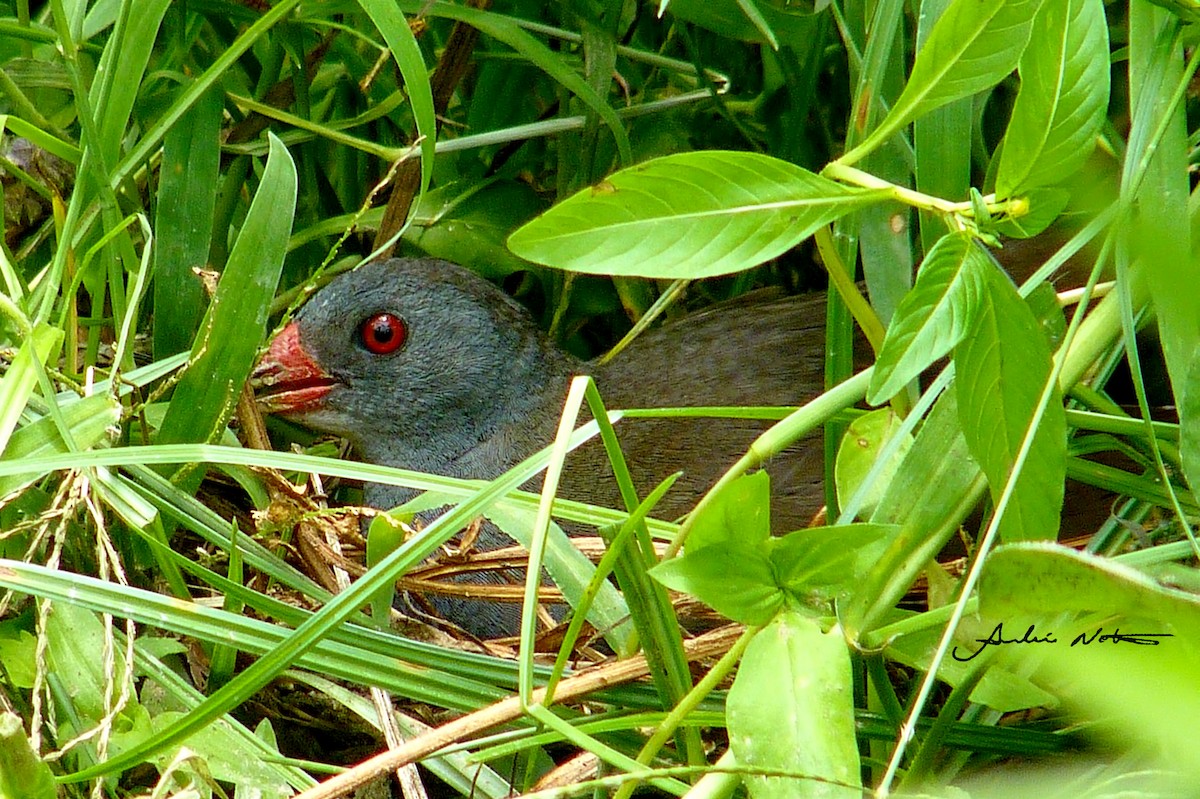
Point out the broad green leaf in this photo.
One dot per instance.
(735, 580)
(739, 514)
(823, 563)
(1034, 577)
(934, 316)
(22, 774)
(971, 48)
(690, 215)
(791, 709)
(21, 377)
(74, 643)
(89, 420)
(1002, 366)
(861, 446)
(1063, 97)
(235, 323)
(187, 192)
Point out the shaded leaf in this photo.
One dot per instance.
(861, 446)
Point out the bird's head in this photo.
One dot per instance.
(415, 362)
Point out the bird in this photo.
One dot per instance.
(422, 364)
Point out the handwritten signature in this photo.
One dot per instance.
(1031, 636)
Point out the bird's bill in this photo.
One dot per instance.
(287, 380)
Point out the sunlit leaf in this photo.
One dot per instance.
(791, 709)
(691, 215)
(1063, 97)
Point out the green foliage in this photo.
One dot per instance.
(691, 215)
(791, 712)
(22, 774)
(144, 142)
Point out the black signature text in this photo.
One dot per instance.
(1031, 636)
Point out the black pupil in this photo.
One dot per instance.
(383, 330)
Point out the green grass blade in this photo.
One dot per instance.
(18, 383)
(187, 194)
(236, 320)
(399, 37)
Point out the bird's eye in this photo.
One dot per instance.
(382, 333)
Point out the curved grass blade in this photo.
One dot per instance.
(235, 324)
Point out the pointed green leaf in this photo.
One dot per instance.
(827, 562)
(187, 193)
(1002, 366)
(235, 324)
(1063, 97)
(736, 581)
(739, 513)
(390, 21)
(934, 316)
(972, 47)
(691, 215)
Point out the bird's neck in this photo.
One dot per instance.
(483, 438)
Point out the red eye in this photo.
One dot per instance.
(383, 333)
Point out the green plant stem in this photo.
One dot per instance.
(776, 439)
(843, 283)
(916, 199)
(703, 688)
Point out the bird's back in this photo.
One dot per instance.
(740, 353)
